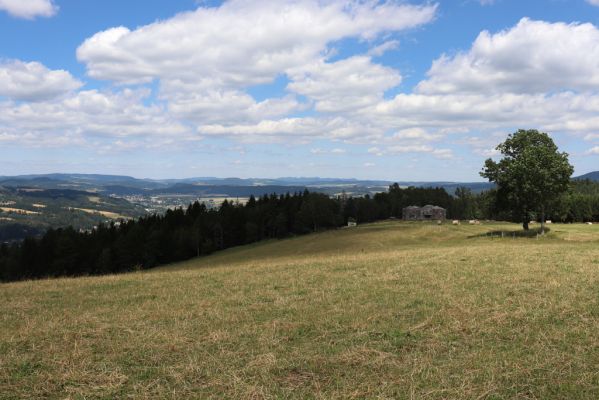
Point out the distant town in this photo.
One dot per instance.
(161, 203)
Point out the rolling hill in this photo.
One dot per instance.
(31, 210)
(593, 176)
(388, 310)
(210, 186)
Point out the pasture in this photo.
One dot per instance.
(388, 310)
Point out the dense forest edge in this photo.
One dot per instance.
(181, 234)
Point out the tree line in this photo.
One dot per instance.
(182, 234)
(580, 203)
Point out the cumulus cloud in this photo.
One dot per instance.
(412, 148)
(226, 106)
(82, 116)
(242, 42)
(592, 136)
(535, 74)
(29, 9)
(206, 59)
(411, 140)
(319, 151)
(299, 129)
(344, 85)
(33, 81)
(348, 96)
(532, 57)
(593, 151)
(416, 134)
(566, 111)
(381, 49)
(593, 2)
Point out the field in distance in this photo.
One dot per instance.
(31, 211)
(386, 310)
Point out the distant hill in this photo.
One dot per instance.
(209, 186)
(30, 210)
(86, 182)
(592, 176)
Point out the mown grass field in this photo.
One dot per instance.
(388, 310)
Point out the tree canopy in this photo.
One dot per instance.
(532, 175)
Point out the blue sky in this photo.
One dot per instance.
(392, 90)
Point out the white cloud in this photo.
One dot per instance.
(593, 151)
(345, 85)
(300, 129)
(205, 60)
(532, 57)
(568, 111)
(381, 49)
(412, 148)
(536, 74)
(416, 134)
(592, 136)
(445, 154)
(80, 117)
(439, 153)
(226, 106)
(319, 151)
(489, 153)
(409, 149)
(593, 2)
(242, 42)
(33, 81)
(483, 146)
(376, 151)
(29, 9)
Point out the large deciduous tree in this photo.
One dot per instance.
(531, 176)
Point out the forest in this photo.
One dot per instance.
(181, 234)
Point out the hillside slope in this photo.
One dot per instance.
(26, 211)
(593, 176)
(388, 310)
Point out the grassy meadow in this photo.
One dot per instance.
(389, 310)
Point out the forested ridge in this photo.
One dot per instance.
(181, 234)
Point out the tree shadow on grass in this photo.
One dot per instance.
(520, 233)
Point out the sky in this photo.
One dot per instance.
(367, 89)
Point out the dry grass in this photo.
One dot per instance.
(389, 310)
(107, 214)
(18, 211)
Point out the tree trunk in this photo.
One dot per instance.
(542, 220)
(525, 225)
(525, 221)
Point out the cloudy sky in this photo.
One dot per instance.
(398, 90)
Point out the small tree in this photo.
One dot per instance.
(531, 176)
